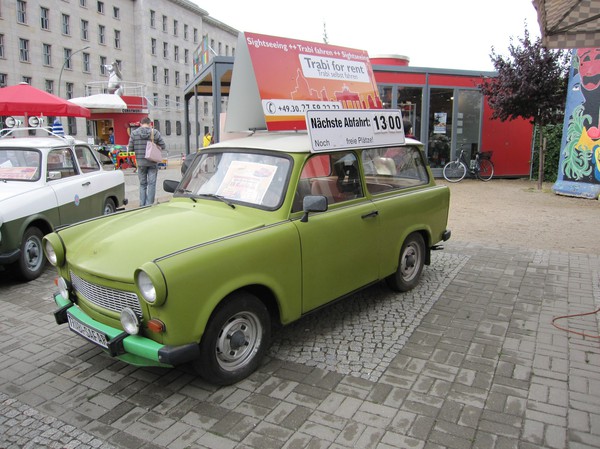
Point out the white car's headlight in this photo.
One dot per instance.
(130, 321)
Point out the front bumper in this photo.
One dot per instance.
(133, 349)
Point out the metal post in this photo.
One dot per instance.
(65, 63)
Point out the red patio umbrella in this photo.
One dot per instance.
(26, 100)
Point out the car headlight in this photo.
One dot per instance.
(130, 321)
(151, 284)
(54, 250)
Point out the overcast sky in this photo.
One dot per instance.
(452, 34)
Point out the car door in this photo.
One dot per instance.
(339, 246)
(71, 188)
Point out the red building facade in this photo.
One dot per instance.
(448, 112)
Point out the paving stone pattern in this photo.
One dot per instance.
(469, 359)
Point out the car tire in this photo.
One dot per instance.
(410, 264)
(235, 340)
(109, 207)
(31, 261)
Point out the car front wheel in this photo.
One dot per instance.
(235, 340)
(410, 265)
(31, 261)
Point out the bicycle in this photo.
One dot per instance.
(481, 167)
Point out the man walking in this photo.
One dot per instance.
(147, 170)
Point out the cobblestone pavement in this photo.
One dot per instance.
(469, 359)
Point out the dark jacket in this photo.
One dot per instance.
(137, 143)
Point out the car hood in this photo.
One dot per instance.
(114, 246)
(11, 189)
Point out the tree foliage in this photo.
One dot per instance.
(531, 84)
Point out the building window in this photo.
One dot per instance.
(102, 65)
(153, 46)
(178, 127)
(152, 19)
(67, 58)
(220, 49)
(116, 12)
(66, 24)
(167, 100)
(3, 79)
(86, 62)
(23, 50)
(45, 18)
(177, 78)
(27, 79)
(100, 7)
(185, 31)
(175, 27)
(155, 99)
(165, 50)
(85, 30)
(47, 54)
(205, 107)
(1, 46)
(101, 34)
(166, 77)
(195, 35)
(176, 53)
(164, 23)
(186, 56)
(168, 127)
(71, 125)
(21, 11)
(212, 44)
(187, 78)
(154, 74)
(156, 124)
(49, 86)
(69, 87)
(117, 39)
(177, 100)
(226, 50)
(83, 3)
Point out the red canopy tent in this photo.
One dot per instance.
(25, 100)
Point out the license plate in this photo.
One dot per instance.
(87, 332)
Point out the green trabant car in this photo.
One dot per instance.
(260, 232)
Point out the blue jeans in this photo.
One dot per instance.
(147, 177)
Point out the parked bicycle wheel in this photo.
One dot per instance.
(454, 171)
(486, 170)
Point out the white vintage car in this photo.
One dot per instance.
(47, 182)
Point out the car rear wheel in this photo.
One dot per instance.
(31, 260)
(109, 206)
(235, 340)
(410, 265)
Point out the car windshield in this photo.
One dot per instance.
(19, 164)
(244, 177)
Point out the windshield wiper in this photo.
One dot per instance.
(219, 197)
(186, 191)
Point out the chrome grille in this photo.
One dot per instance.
(108, 298)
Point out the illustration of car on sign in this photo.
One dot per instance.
(268, 230)
(46, 182)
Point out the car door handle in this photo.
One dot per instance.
(370, 214)
(85, 184)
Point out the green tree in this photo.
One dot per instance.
(531, 84)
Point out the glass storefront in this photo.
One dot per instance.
(443, 118)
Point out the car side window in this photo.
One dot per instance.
(61, 164)
(333, 175)
(86, 159)
(393, 168)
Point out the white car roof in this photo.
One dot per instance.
(284, 141)
(37, 142)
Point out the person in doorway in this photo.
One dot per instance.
(207, 140)
(408, 131)
(111, 136)
(147, 170)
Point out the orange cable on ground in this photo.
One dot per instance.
(583, 334)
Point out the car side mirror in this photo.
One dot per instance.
(170, 185)
(313, 203)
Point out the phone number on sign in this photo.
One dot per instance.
(297, 107)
